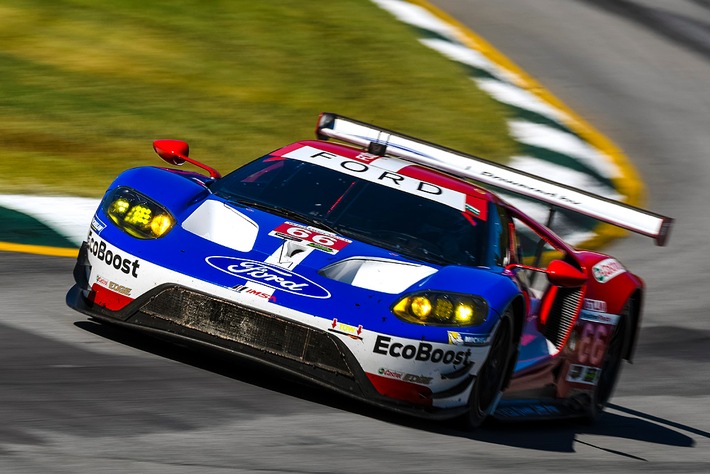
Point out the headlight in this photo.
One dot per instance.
(442, 309)
(137, 214)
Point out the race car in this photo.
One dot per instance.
(375, 264)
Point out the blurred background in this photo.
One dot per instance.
(87, 86)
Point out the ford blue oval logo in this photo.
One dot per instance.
(269, 275)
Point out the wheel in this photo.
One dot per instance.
(611, 365)
(492, 375)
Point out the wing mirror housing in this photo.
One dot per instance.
(561, 273)
(176, 152)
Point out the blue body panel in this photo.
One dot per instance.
(185, 252)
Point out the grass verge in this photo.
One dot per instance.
(87, 86)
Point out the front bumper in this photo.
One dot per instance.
(195, 317)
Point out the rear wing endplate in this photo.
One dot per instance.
(381, 141)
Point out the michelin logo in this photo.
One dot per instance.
(464, 339)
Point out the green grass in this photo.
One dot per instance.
(87, 86)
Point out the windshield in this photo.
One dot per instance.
(403, 222)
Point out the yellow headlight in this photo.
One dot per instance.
(421, 307)
(137, 214)
(161, 224)
(440, 308)
(119, 207)
(463, 313)
(443, 309)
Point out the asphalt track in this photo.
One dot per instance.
(76, 397)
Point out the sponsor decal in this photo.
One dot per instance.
(464, 339)
(366, 171)
(346, 329)
(593, 340)
(411, 378)
(98, 249)
(318, 239)
(531, 187)
(97, 225)
(269, 275)
(422, 351)
(113, 286)
(583, 374)
(601, 318)
(598, 306)
(367, 157)
(607, 269)
(420, 379)
(266, 293)
(393, 374)
(119, 288)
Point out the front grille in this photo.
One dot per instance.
(259, 330)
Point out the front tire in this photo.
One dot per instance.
(492, 375)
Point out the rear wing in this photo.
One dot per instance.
(380, 141)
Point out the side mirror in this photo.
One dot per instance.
(176, 152)
(563, 274)
(172, 150)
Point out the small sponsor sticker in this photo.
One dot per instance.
(607, 269)
(598, 306)
(113, 286)
(97, 224)
(346, 329)
(311, 237)
(393, 374)
(583, 374)
(254, 289)
(411, 378)
(464, 339)
(602, 318)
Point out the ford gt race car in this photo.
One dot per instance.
(375, 264)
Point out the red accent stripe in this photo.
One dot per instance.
(108, 299)
(546, 304)
(401, 390)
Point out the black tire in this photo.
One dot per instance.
(611, 365)
(492, 375)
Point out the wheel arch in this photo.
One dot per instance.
(634, 323)
(519, 311)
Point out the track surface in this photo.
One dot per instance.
(76, 397)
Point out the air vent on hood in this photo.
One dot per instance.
(223, 225)
(388, 276)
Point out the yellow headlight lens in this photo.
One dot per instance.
(440, 308)
(119, 207)
(161, 224)
(443, 309)
(463, 313)
(137, 214)
(421, 307)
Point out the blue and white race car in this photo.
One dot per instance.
(369, 262)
